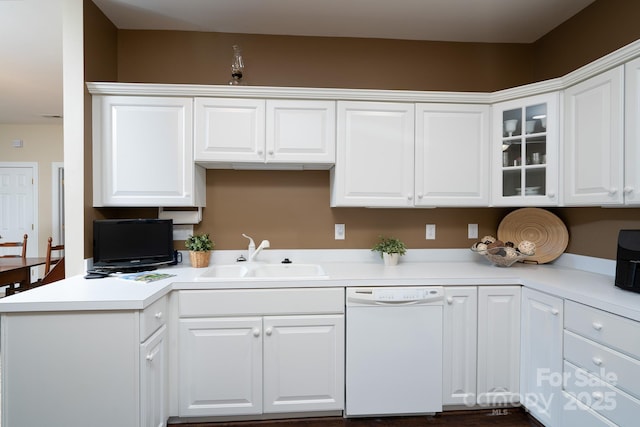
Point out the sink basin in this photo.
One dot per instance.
(231, 271)
(273, 272)
(287, 270)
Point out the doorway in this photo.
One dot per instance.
(18, 203)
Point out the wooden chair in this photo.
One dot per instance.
(56, 273)
(51, 248)
(22, 244)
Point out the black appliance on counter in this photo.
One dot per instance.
(628, 261)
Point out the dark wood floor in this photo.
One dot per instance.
(512, 417)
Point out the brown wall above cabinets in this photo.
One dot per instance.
(291, 209)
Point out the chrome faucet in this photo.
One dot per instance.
(252, 250)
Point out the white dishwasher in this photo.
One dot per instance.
(393, 350)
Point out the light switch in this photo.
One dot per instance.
(339, 231)
(472, 231)
(431, 232)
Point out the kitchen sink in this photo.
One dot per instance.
(259, 271)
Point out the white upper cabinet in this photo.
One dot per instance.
(452, 155)
(374, 156)
(247, 133)
(143, 152)
(632, 134)
(524, 152)
(229, 130)
(593, 140)
(300, 131)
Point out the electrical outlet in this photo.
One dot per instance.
(431, 232)
(339, 231)
(472, 231)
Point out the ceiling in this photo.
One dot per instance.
(31, 31)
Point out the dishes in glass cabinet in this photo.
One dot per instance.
(528, 191)
(510, 126)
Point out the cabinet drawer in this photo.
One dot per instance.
(606, 328)
(575, 413)
(614, 367)
(243, 302)
(601, 397)
(152, 318)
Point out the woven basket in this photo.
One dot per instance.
(199, 259)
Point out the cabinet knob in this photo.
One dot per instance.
(150, 357)
(410, 197)
(551, 195)
(555, 311)
(597, 326)
(256, 332)
(420, 195)
(270, 152)
(628, 190)
(612, 191)
(449, 300)
(597, 395)
(268, 331)
(260, 152)
(597, 361)
(158, 315)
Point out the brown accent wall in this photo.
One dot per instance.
(291, 208)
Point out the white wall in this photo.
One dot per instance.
(42, 144)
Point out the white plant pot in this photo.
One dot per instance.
(390, 259)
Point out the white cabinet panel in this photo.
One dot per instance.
(542, 324)
(593, 140)
(452, 155)
(229, 129)
(498, 344)
(632, 133)
(300, 131)
(220, 366)
(143, 152)
(374, 158)
(460, 324)
(153, 380)
(303, 363)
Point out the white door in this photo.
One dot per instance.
(542, 323)
(374, 155)
(17, 208)
(303, 363)
(593, 140)
(153, 380)
(220, 366)
(301, 131)
(460, 326)
(452, 155)
(498, 345)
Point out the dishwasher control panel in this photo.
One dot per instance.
(400, 294)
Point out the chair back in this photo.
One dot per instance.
(22, 244)
(51, 248)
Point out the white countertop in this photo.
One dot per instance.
(565, 278)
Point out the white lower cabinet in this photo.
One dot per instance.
(153, 380)
(460, 345)
(498, 345)
(542, 317)
(261, 361)
(481, 348)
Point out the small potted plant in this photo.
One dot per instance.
(199, 246)
(390, 249)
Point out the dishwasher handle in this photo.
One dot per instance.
(396, 296)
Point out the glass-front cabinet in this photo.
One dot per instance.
(525, 152)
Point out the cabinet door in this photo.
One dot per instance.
(303, 363)
(593, 140)
(525, 152)
(632, 133)
(452, 155)
(143, 151)
(460, 346)
(374, 157)
(153, 380)
(229, 130)
(498, 344)
(301, 132)
(220, 370)
(542, 323)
